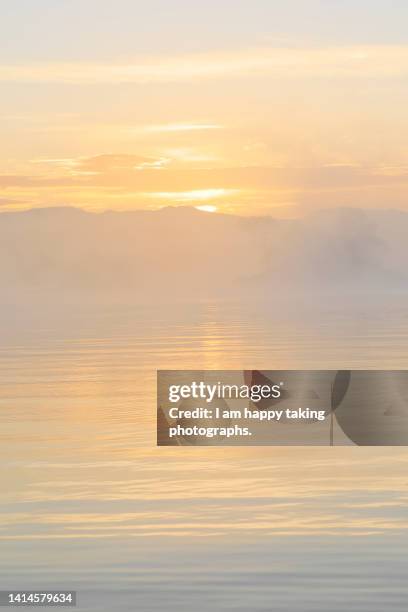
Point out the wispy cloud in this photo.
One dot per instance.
(132, 181)
(106, 163)
(181, 127)
(346, 61)
(201, 195)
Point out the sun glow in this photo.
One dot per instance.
(194, 195)
(207, 208)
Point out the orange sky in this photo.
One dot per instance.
(243, 124)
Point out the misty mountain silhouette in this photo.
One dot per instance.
(184, 251)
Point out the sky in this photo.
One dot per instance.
(258, 107)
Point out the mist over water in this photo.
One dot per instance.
(186, 253)
(90, 503)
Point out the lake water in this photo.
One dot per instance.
(89, 503)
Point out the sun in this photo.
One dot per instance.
(207, 208)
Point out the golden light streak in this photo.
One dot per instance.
(191, 196)
(207, 208)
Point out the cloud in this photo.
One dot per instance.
(113, 163)
(9, 201)
(181, 127)
(19, 180)
(104, 164)
(136, 181)
(201, 195)
(362, 61)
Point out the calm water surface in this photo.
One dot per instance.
(89, 502)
